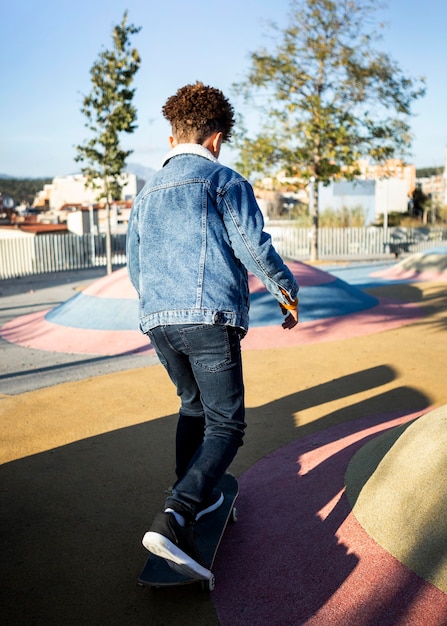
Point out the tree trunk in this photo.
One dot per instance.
(313, 211)
(108, 229)
(108, 240)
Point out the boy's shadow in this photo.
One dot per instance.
(73, 517)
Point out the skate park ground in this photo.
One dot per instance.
(342, 475)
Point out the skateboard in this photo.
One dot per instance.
(209, 532)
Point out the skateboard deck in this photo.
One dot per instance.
(209, 532)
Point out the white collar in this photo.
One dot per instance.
(189, 148)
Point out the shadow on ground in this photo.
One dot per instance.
(73, 516)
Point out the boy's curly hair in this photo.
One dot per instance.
(197, 111)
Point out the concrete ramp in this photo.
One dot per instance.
(428, 265)
(397, 487)
(103, 318)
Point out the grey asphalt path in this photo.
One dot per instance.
(23, 369)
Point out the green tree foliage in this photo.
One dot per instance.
(423, 172)
(22, 189)
(326, 97)
(420, 201)
(110, 112)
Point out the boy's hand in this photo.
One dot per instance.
(292, 317)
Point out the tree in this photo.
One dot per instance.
(22, 189)
(109, 112)
(329, 98)
(419, 202)
(426, 172)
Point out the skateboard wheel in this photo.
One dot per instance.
(234, 514)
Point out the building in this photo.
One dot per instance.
(377, 198)
(435, 187)
(378, 190)
(392, 168)
(444, 178)
(73, 190)
(70, 201)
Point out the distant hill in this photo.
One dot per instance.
(9, 177)
(423, 172)
(140, 171)
(22, 189)
(132, 168)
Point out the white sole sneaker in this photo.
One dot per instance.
(177, 559)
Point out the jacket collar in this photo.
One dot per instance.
(189, 148)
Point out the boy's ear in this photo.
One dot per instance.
(217, 143)
(172, 141)
(214, 143)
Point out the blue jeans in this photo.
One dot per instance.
(204, 362)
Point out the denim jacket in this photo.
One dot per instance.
(194, 231)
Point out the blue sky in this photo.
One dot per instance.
(48, 47)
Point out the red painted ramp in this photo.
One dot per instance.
(297, 554)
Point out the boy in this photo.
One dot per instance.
(194, 231)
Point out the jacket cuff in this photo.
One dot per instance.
(291, 306)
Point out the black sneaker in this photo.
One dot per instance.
(217, 498)
(175, 544)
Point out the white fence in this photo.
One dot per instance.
(40, 254)
(333, 243)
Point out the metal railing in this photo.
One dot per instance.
(334, 243)
(42, 254)
(39, 254)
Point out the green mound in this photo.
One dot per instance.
(396, 485)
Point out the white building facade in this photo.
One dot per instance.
(73, 190)
(375, 197)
